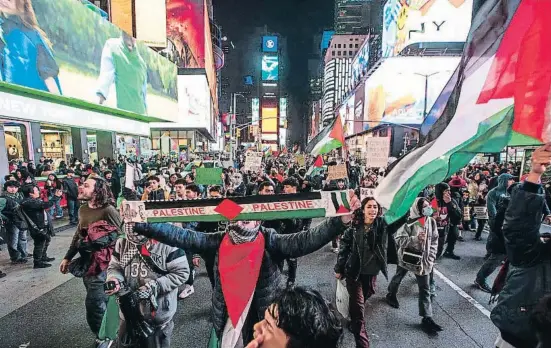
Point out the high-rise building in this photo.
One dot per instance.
(358, 16)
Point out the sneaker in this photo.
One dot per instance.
(290, 283)
(478, 239)
(482, 285)
(188, 290)
(48, 259)
(19, 261)
(41, 265)
(106, 343)
(460, 239)
(427, 327)
(335, 250)
(435, 326)
(392, 300)
(451, 255)
(2, 274)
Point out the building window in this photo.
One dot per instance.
(339, 46)
(339, 53)
(356, 46)
(333, 53)
(350, 53)
(350, 46)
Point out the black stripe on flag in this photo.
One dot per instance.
(335, 201)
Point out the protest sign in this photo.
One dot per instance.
(481, 213)
(337, 172)
(209, 176)
(366, 192)
(300, 160)
(253, 162)
(377, 152)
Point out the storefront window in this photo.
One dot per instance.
(92, 141)
(127, 145)
(177, 138)
(56, 143)
(16, 141)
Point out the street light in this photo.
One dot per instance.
(234, 106)
(426, 90)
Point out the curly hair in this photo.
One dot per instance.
(359, 215)
(102, 193)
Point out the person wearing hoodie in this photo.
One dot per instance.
(417, 242)
(504, 181)
(70, 188)
(447, 215)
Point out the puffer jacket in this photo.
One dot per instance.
(529, 277)
(277, 248)
(349, 260)
(407, 238)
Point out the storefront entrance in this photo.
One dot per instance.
(17, 137)
(57, 143)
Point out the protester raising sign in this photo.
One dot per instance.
(377, 151)
(366, 192)
(209, 176)
(253, 162)
(337, 172)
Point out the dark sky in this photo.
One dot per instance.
(298, 20)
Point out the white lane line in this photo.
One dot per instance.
(463, 294)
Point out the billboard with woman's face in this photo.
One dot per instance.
(83, 56)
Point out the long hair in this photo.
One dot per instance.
(102, 193)
(28, 18)
(359, 215)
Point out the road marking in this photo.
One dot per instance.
(463, 294)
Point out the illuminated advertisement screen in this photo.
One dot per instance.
(103, 65)
(194, 102)
(270, 68)
(410, 22)
(359, 104)
(269, 120)
(282, 111)
(360, 62)
(347, 114)
(255, 107)
(395, 93)
(269, 44)
(326, 39)
(150, 22)
(186, 31)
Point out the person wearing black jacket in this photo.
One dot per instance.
(35, 210)
(16, 228)
(448, 216)
(70, 188)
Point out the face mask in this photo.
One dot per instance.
(427, 211)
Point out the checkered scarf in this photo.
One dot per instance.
(240, 235)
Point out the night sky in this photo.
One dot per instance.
(298, 20)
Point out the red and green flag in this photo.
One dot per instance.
(329, 139)
(499, 97)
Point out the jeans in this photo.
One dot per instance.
(17, 242)
(423, 283)
(72, 207)
(489, 266)
(359, 292)
(41, 244)
(163, 335)
(96, 300)
(55, 210)
(191, 278)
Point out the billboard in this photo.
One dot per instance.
(194, 103)
(359, 105)
(326, 39)
(151, 22)
(85, 57)
(269, 120)
(269, 44)
(410, 22)
(255, 107)
(186, 33)
(282, 111)
(395, 93)
(360, 62)
(282, 137)
(270, 68)
(346, 112)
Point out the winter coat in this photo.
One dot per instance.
(70, 188)
(277, 248)
(529, 277)
(175, 271)
(97, 246)
(496, 242)
(34, 208)
(407, 238)
(349, 260)
(496, 193)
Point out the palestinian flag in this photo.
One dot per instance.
(318, 163)
(330, 138)
(259, 207)
(500, 97)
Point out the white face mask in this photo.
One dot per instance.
(427, 211)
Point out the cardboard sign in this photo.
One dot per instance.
(209, 176)
(253, 162)
(337, 172)
(366, 192)
(466, 213)
(377, 152)
(300, 160)
(481, 213)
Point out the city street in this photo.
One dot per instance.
(45, 309)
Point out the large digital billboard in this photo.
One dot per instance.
(269, 120)
(269, 44)
(282, 111)
(270, 68)
(151, 22)
(359, 105)
(395, 93)
(326, 39)
(85, 57)
(360, 62)
(255, 107)
(346, 112)
(186, 33)
(409, 22)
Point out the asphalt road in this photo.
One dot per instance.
(44, 309)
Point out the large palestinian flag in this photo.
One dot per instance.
(500, 96)
(258, 207)
(329, 139)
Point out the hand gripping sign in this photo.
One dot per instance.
(259, 207)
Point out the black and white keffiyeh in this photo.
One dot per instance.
(240, 235)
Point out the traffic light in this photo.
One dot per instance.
(238, 133)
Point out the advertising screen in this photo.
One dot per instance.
(270, 68)
(359, 109)
(269, 120)
(406, 23)
(194, 102)
(360, 62)
(282, 137)
(348, 114)
(269, 44)
(186, 33)
(255, 107)
(151, 22)
(86, 57)
(282, 111)
(395, 93)
(326, 39)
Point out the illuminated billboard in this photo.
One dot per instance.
(282, 111)
(103, 65)
(359, 105)
(282, 137)
(360, 62)
(150, 22)
(346, 112)
(255, 107)
(269, 120)
(269, 44)
(270, 68)
(410, 22)
(186, 33)
(395, 93)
